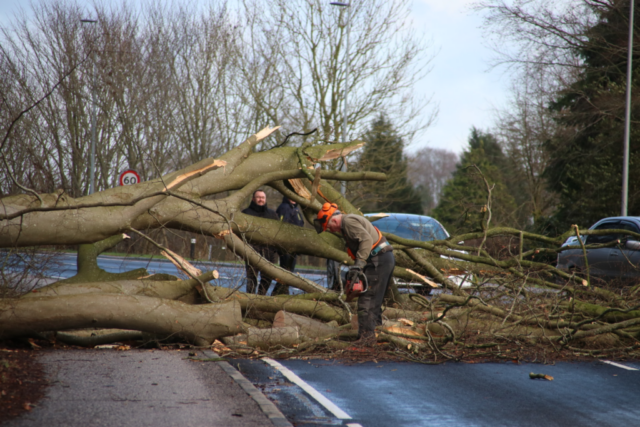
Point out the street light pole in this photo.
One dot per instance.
(346, 87)
(627, 119)
(92, 167)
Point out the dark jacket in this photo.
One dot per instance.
(288, 212)
(260, 211)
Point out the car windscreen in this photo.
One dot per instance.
(604, 238)
(422, 229)
(612, 225)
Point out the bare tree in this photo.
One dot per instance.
(160, 80)
(294, 67)
(429, 169)
(523, 127)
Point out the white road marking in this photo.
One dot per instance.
(353, 425)
(628, 368)
(339, 413)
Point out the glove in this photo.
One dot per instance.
(355, 270)
(360, 263)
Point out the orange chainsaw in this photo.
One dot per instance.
(354, 288)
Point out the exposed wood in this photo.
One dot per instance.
(423, 279)
(181, 179)
(300, 189)
(274, 337)
(183, 265)
(337, 153)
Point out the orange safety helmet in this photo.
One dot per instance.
(327, 211)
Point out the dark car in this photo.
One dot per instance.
(622, 260)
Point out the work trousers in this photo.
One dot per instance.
(252, 272)
(288, 262)
(379, 273)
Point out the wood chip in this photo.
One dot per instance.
(337, 153)
(299, 188)
(406, 321)
(424, 279)
(181, 263)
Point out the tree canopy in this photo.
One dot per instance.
(586, 157)
(463, 206)
(571, 58)
(384, 152)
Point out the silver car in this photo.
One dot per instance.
(619, 261)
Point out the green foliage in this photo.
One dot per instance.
(384, 152)
(463, 204)
(585, 167)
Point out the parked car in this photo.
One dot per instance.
(619, 261)
(415, 227)
(409, 226)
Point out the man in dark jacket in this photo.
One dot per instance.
(258, 207)
(289, 212)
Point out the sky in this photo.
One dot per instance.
(466, 90)
(461, 83)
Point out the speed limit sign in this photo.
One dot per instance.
(129, 177)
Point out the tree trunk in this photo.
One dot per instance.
(184, 290)
(507, 302)
(309, 328)
(273, 337)
(316, 309)
(199, 324)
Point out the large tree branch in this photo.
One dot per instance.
(200, 324)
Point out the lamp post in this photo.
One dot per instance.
(627, 119)
(92, 166)
(346, 87)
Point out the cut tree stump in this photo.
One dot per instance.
(265, 339)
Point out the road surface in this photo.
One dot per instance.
(453, 394)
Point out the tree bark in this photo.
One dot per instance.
(166, 289)
(199, 324)
(273, 337)
(315, 309)
(309, 328)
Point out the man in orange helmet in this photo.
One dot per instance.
(373, 257)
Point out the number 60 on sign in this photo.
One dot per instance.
(129, 177)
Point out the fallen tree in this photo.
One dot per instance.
(511, 306)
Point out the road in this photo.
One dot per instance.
(453, 394)
(231, 275)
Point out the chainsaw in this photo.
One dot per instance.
(354, 288)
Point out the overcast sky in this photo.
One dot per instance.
(461, 84)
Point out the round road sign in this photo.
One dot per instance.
(129, 177)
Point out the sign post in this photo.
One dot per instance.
(129, 177)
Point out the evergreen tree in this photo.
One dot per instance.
(384, 152)
(586, 158)
(463, 204)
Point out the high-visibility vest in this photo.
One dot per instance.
(353, 257)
